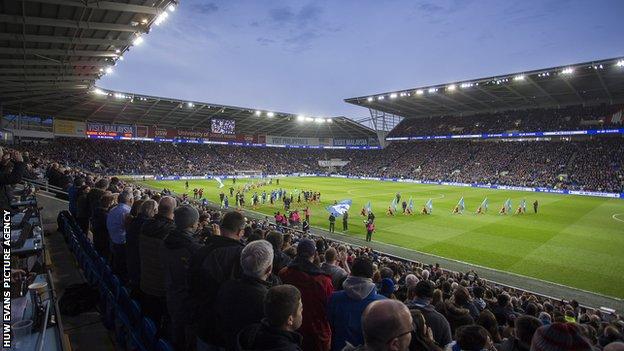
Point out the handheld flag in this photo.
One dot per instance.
(339, 208)
(218, 179)
(393, 205)
(460, 205)
(410, 204)
(368, 207)
(508, 205)
(429, 206)
(483, 207)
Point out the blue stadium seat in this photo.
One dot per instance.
(163, 345)
(148, 333)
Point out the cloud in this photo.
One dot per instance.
(429, 8)
(265, 41)
(281, 15)
(206, 8)
(299, 27)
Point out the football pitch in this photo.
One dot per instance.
(573, 240)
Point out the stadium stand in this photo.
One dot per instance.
(167, 273)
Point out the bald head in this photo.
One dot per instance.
(166, 205)
(386, 325)
(614, 346)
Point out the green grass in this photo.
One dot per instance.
(573, 240)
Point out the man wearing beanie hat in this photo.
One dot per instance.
(178, 247)
(315, 287)
(560, 337)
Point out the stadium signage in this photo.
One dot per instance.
(511, 135)
(110, 130)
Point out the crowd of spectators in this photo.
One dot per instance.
(531, 120)
(593, 165)
(217, 280)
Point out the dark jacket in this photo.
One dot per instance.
(177, 249)
(133, 260)
(262, 337)
(280, 260)
(153, 232)
(101, 239)
(513, 344)
(457, 316)
(435, 320)
(345, 311)
(93, 199)
(211, 266)
(6, 179)
(316, 288)
(239, 303)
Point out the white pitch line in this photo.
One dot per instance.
(615, 216)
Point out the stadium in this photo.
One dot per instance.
(490, 208)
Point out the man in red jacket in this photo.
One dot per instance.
(316, 288)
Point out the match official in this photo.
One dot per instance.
(345, 221)
(535, 204)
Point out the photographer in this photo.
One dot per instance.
(9, 178)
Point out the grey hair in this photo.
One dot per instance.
(124, 197)
(148, 208)
(256, 257)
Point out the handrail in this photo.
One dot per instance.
(46, 186)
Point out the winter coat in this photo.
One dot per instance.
(345, 311)
(153, 232)
(262, 337)
(316, 288)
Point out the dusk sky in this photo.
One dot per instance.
(307, 56)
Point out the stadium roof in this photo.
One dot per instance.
(592, 82)
(53, 51)
(109, 106)
(52, 48)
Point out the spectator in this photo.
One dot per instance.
(346, 307)
(153, 275)
(177, 249)
(423, 294)
(502, 309)
(525, 327)
(94, 195)
(316, 288)
(239, 302)
(387, 325)
(115, 223)
(487, 320)
(422, 336)
(83, 211)
(133, 264)
(283, 315)
(559, 337)
(15, 162)
(101, 238)
(213, 265)
(331, 268)
(471, 337)
(280, 259)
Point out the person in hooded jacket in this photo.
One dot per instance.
(177, 249)
(423, 295)
(345, 308)
(316, 288)
(283, 315)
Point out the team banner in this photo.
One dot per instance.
(340, 208)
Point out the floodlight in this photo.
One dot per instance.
(419, 92)
(451, 87)
(309, 119)
(319, 120)
(301, 118)
(620, 63)
(568, 70)
(108, 70)
(98, 91)
(432, 90)
(257, 113)
(117, 51)
(329, 120)
(369, 99)
(270, 114)
(518, 78)
(393, 96)
(190, 104)
(465, 85)
(380, 97)
(171, 7)
(138, 40)
(161, 18)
